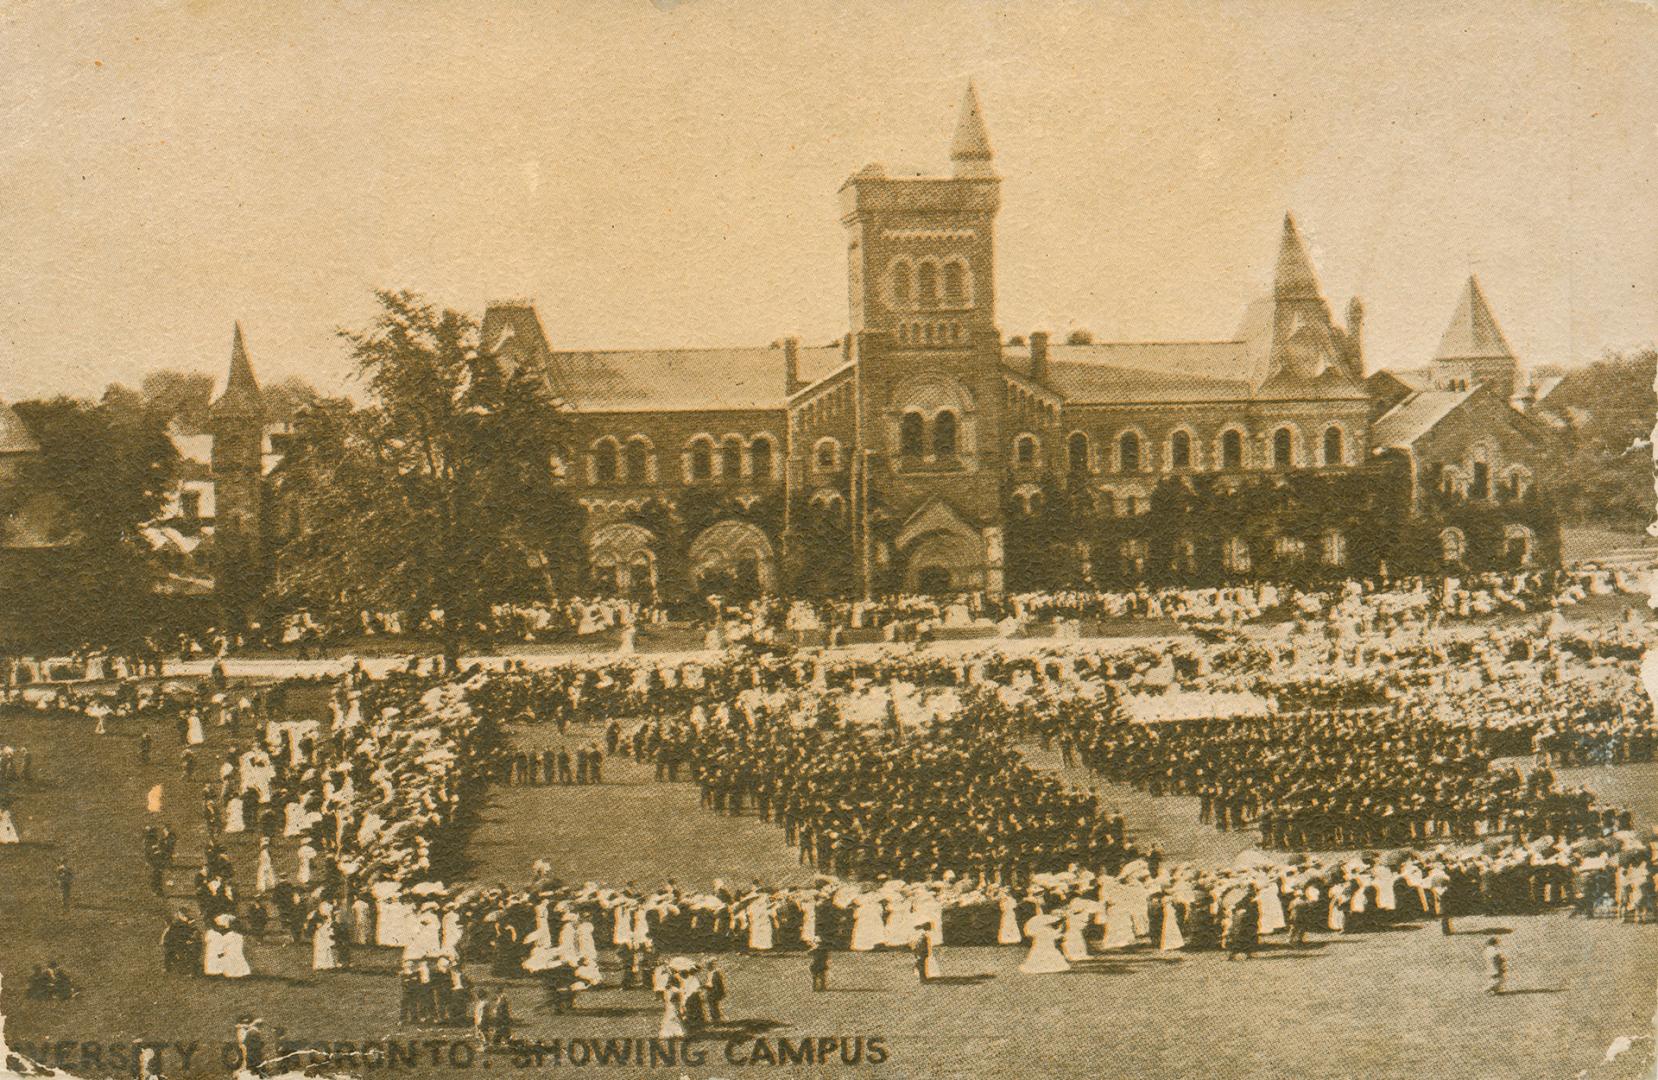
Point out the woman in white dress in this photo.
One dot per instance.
(566, 946)
(293, 819)
(673, 1001)
(899, 930)
(213, 949)
(868, 932)
(587, 949)
(542, 953)
(264, 877)
(234, 820)
(1271, 905)
(8, 828)
(235, 962)
(193, 732)
(1171, 938)
(324, 956)
(453, 930)
(1044, 957)
(1077, 916)
(1007, 932)
(1337, 919)
(1119, 926)
(759, 923)
(222, 950)
(307, 855)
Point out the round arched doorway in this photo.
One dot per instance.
(945, 562)
(623, 560)
(733, 558)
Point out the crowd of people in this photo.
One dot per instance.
(902, 779)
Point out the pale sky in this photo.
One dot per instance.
(665, 174)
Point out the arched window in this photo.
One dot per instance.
(1453, 545)
(1024, 451)
(731, 459)
(828, 455)
(1332, 445)
(604, 462)
(1283, 448)
(702, 460)
(912, 435)
(638, 462)
(1180, 450)
(954, 288)
(927, 280)
(1231, 450)
(1128, 452)
(1335, 548)
(1482, 481)
(944, 434)
(1077, 453)
(759, 458)
(903, 288)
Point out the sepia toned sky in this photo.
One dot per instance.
(664, 174)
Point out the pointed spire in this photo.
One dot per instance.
(1473, 333)
(971, 148)
(241, 395)
(1294, 279)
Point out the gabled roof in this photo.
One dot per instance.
(15, 437)
(1473, 333)
(1418, 378)
(1405, 423)
(241, 396)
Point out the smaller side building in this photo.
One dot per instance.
(1473, 451)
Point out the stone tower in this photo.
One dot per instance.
(1473, 349)
(921, 249)
(237, 423)
(928, 428)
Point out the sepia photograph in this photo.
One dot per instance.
(705, 539)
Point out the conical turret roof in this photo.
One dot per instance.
(972, 142)
(1294, 278)
(1473, 333)
(241, 395)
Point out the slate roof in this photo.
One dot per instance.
(683, 380)
(241, 396)
(1414, 417)
(1294, 278)
(1473, 333)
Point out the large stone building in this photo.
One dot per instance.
(924, 434)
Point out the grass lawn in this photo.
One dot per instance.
(1405, 1003)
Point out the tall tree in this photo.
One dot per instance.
(438, 494)
(180, 396)
(1607, 468)
(103, 471)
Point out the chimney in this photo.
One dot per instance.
(1039, 355)
(791, 365)
(1355, 335)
